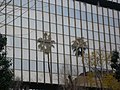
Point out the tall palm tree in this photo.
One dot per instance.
(79, 46)
(45, 45)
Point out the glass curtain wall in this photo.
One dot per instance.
(24, 21)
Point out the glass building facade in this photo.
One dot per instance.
(25, 21)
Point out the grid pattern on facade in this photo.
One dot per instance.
(24, 21)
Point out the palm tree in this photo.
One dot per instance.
(79, 46)
(45, 45)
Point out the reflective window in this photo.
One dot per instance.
(17, 42)
(46, 17)
(72, 31)
(65, 11)
(9, 41)
(107, 37)
(84, 24)
(45, 7)
(66, 31)
(59, 10)
(95, 35)
(101, 37)
(53, 28)
(90, 34)
(100, 19)
(52, 1)
(33, 65)
(25, 43)
(88, 8)
(59, 29)
(78, 30)
(84, 33)
(25, 65)
(77, 5)
(25, 54)
(40, 66)
(39, 25)
(61, 60)
(106, 20)
(46, 67)
(89, 17)
(72, 22)
(32, 34)
(39, 15)
(112, 39)
(60, 38)
(65, 20)
(83, 6)
(78, 25)
(59, 19)
(104, 11)
(67, 51)
(95, 25)
(94, 18)
(54, 57)
(94, 9)
(54, 67)
(33, 55)
(25, 22)
(52, 8)
(71, 13)
(77, 14)
(58, 2)
(110, 13)
(32, 44)
(71, 4)
(39, 5)
(60, 48)
(89, 25)
(17, 53)
(17, 63)
(83, 15)
(65, 3)
(46, 26)
(111, 21)
(116, 22)
(66, 40)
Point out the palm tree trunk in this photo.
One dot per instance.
(77, 64)
(84, 69)
(49, 69)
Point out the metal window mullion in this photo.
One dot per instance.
(50, 48)
(82, 36)
(75, 37)
(69, 39)
(114, 30)
(5, 22)
(63, 40)
(119, 28)
(94, 47)
(43, 37)
(80, 22)
(87, 39)
(13, 39)
(104, 39)
(36, 41)
(29, 39)
(109, 29)
(21, 41)
(99, 39)
(93, 37)
(57, 42)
